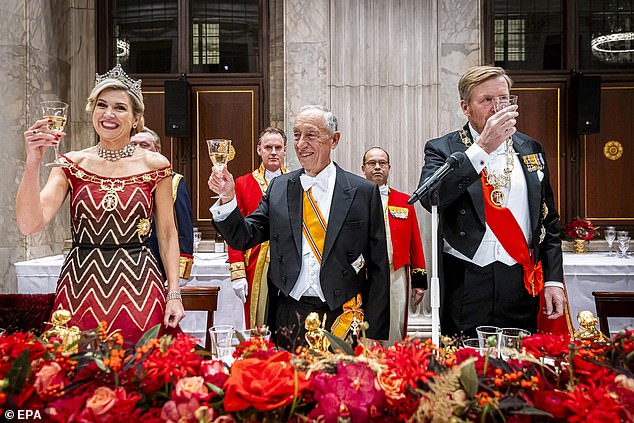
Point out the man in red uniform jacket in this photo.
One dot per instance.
(249, 268)
(405, 248)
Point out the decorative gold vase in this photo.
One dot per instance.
(580, 246)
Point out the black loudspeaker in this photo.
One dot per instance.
(176, 109)
(587, 91)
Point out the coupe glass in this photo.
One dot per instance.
(610, 236)
(219, 150)
(55, 111)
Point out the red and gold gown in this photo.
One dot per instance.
(110, 273)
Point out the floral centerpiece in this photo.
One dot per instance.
(580, 231)
(168, 380)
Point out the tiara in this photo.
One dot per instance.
(118, 73)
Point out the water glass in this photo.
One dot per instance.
(473, 343)
(221, 343)
(512, 341)
(624, 245)
(622, 234)
(490, 337)
(198, 236)
(610, 236)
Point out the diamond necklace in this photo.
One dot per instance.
(114, 155)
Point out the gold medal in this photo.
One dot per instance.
(111, 199)
(497, 197)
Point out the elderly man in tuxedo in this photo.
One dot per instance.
(501, 245)
(327, 237)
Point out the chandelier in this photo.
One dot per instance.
(614, 48)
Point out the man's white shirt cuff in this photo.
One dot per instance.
(477, 156)
(220, 212)
(555, 284)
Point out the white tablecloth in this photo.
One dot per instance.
(590, 272)
(209, 269)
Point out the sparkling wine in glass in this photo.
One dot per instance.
(610, 236)
(219, 151)
(55, 112)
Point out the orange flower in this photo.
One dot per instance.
(392, 385)
(263, 384)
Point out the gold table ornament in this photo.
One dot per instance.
(587, 328)
(60, 329)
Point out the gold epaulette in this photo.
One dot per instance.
(186, 264)
(237, 270)
(421, 271)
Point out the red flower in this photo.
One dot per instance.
(581, 229)
(552, 402)
(214, 372)
(547, 345)
(263, 384)
(178, 360)
(13, 345)
(350, 393)
(67, 409)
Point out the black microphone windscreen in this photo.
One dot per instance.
(456, 159)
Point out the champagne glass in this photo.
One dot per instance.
(502, 102)
(610, 236)
(55, 111)
(219, 150)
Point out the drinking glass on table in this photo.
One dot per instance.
(512, 341)
(221, 343)
(490, 338)
(198, 236)
(55, 112)
(610, 236)
(624, 245)
(219, 150)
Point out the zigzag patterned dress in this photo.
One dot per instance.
(110, 273)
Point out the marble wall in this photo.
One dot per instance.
(46, 46)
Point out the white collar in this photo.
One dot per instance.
(321, 179)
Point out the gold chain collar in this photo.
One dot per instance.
(497, 181)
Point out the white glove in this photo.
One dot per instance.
(241, 288)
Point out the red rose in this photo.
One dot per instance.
(263, 384)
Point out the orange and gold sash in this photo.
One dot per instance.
(313, 224)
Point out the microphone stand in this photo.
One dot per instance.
(434, 284)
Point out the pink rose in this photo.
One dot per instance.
(214, 372)
(191, 387)
(49, 375)
(100, 403)
(176, 412)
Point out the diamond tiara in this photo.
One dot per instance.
(118, 73)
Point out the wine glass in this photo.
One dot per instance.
(55, 112)
(624, 245)
(610, 236)
(219, 150)
(198, 236)
(502, 102)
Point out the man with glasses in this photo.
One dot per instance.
(326, 233)
(249, 268)
(404, 245)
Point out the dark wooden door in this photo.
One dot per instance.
(231, 112)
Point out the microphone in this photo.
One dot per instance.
(452, 163)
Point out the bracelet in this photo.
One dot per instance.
(173, 295)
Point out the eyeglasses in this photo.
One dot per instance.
(381, 163)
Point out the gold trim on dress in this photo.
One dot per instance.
(185, 267)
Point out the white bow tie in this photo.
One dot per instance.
(384, 189)
(310, 181)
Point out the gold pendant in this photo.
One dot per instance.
(110, 201)
(497, 197)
